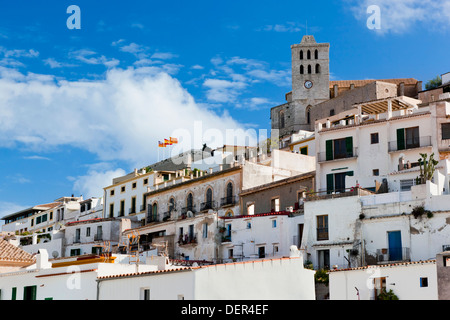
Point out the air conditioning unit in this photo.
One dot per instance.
(290, 209)
(446, 247)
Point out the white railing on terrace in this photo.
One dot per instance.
(391, 197)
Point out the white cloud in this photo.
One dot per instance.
(97, 177)
(119, 117)
(35, 157)
(223, 90)
(88, 56)
(287, 27)
(56, 64)
(401, 15)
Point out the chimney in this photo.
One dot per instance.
(401, 89)
(42, 260)
(336, 90)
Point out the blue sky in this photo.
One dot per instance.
(78, 107)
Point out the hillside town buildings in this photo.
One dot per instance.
(344, 192)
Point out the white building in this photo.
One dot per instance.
(407, 280)
(378, 145)
(111, 277)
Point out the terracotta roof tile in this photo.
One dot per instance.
(11, 253)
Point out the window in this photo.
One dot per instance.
(111, 210)
(261, 252)
(88, 232)
(14, 293)
(281, 118)
(38, 220)
(133, 205)
(423, 282)
(339, 148)
(374, 138)
(309, 69)
(376, 172)
(44, 218)
(274, 223)
(111, 193)
(332, 113)
(301, 54)
(302, 70)
(51, 215)
(251, 209)
(405, 185)
(75, 252)
(122, 189)
(230, 253)
(379, 286)
(145, 181)
(77, 235)
(99, 235)
(322, 227)
(445, 127)
(304, 150)
(408, 138)
(205, 230)
(133, 186)
(308, 114)
(190, 202)
(308, 54)
(249, 225)
(145, 293)
(316, 54)
(317, 68)
(122, 208)
(154, 211)
(171, 204)
(275, 205)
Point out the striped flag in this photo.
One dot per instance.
(167, 142)
(173, 140)
(161, 145)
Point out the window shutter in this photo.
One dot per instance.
(329, 149)
(349, 173)
(14, 293)
(349, 146)
(400, 139)
(330, 183)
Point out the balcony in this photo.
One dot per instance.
(98, 237)
(76, 240)
(413, 143)
(324, 156)
(228, 201)
(393, 254)
(187, 239)
(186, 209)
(337, 193)
(208, 205)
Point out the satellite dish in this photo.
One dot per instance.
(55, 254)
(190, 214)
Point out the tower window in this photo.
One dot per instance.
(301, 54)
(309, 55)
(316, 54)
(317, 68)
(309, 69)
(282, 119)
(302, 71)
(308, 115)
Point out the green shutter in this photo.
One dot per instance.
(400, 139)
(349, 146)
(14, 293)
(349, 173)
(330, 183)
(329, 149)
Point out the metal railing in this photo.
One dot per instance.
(415, 142)
(186, 209)
(228, 201)
(208, 205)
(322, 234)
(323, 156)
(393, 254)
(98, 237)
(337, 193)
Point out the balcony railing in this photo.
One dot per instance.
(393, 254)
(185, 210)
(76, 240)
(337, 193)
(208, 205)
(143, 207)
(228, 201)
(187, 239)
(322, 234)
(323, 156)
(98, 237)
(132, 210)
(415, 142)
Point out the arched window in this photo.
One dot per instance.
(309, 55)
(209, 196)
(302, 71)
(189, 202)
(281, 119)
(309, 69)
(316, 54)
(308, 114)
(317, 68)
(171, 204)
(301, 54)
(229, 190)
(154, 216)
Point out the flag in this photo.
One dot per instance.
(161, 145)
(167, 142)
(173, 140)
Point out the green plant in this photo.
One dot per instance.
(308, 264)
(321, 276)
(427, 167)
(433, 83)
(419, 211)
(387, 295)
